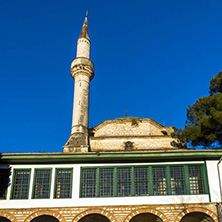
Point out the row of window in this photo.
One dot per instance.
(41, 184)
(143, 181)
(108, 181)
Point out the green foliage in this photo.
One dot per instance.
(216, 84)
(203, 126)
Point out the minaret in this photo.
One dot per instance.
(82, 71)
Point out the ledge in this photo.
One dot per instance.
(108, 157)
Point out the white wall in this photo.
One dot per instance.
(77, 201)
(213, 180)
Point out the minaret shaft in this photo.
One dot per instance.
(80, 104)
(82, 71)
(83, 48)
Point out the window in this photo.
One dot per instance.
(20, 188)
(123, 182)
(4, 181)
(128, 145)
(196, 180)
(159, 181)
(141, 181)
(42, 183)
(177, 180)
(89, 183)
(63, 183)
(106, 176)
(154, 180)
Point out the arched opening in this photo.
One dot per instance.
(146, 217)
(94, 217)
(45, 218)
(197, 217)
(4, 219)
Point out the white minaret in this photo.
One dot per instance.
(82, 70)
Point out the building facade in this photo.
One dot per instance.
(123, 170)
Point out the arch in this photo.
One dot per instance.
(11, 218)
(4, 219)
(196, 209)
(46, 213)
(94, 217)
(95, 211)
(45, 218)
(146, 211)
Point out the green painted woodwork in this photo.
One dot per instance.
(64, 188)
(92, 157)
(42, 187)
(20, 184)
(181, 180)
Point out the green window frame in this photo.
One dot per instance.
(151, 180)
(89, 182)
(4, 182)
(21, 183)
(106, 182)
(177, 180)
(141, 185)
(42, 183)
(63, 183)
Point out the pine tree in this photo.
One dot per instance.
(203, 126)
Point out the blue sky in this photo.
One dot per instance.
(153, 58)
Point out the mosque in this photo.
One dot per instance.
(123, 170)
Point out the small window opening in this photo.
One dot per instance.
(128, 145)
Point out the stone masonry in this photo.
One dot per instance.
(168, 213)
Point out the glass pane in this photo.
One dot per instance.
(63, 183)
(21, 184)
(177, 179)
(89, 183)
(123, 182)
(141, 181)
(106, 182)
(42, 184)
(159, 181)
(196, 180)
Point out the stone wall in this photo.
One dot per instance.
(139, 143)
(131, 126)
(168, 213)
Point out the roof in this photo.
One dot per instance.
(85, 30)
(109, 157)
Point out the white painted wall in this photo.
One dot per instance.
(76, 201)
(214, 186)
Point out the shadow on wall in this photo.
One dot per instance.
(45, 218)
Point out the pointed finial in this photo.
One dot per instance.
(85, 32)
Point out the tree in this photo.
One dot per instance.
(203, 126)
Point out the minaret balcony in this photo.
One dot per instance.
(83, 66)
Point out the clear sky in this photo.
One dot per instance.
(152, 57)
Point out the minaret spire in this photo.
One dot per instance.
(82, 70)
(85, 30)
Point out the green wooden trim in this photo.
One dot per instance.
(168, 176)
(150, 177)
(55, 182)
(132, 182)
(115, 182)
(187, 180)
(34, 182)
(13, 182)
(150, 180)
(105, 157)
(97, 182)
(80, 181)
(205, 177)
